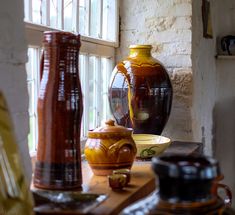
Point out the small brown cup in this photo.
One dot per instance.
(117, 181)
(126, 172)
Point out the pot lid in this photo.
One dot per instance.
(110, 129)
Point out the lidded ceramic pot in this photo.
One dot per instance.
(140, 92)
(110, 147)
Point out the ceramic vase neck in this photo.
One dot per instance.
(140, 51)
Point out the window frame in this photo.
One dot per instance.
(89, 45)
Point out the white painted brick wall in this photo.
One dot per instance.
(167, 26)
(13, 56)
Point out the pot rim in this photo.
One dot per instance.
(140, 46)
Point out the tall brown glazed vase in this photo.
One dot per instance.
(58, 164)
(140, 93)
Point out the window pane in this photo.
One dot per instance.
(92, 92)
(68, 12)
(29, 65)
(54, 9)
(37, 11)
(31, 98)
(32, 133)
(95, 18)
(109, 20)
(44, 12)
(82, 70)
(83, 16)
(94, 75)
(27, 10)
(105, 71)
(32, 68)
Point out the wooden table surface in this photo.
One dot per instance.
(142, 181)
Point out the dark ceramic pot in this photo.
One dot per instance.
(186, 186)
(140, 93)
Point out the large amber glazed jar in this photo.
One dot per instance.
(140, 92)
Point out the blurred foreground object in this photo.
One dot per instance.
(15, 196)
(186, 186)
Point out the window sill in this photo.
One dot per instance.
(142, 184)
(225, 57)
(41, 28)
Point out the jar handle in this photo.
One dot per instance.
(41, 65)
(228, 199)
(114, 149)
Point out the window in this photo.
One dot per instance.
(96, 21)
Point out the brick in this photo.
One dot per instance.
(175, 61)
(159, 23)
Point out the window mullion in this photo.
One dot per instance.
(88, 6)
(101, 20)
(75, 19)
(96, 94)
(86, 93)
(34, 99)
(47, 13)
(116, 24)
(37, 83)
(29, 10)
(60, 14)
(98, 90)
(109, 68)
(105, 81)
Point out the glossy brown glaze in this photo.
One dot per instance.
(140, 93)
(60, 108)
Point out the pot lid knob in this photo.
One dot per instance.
(110, 122)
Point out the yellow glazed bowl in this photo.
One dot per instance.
(149, 145)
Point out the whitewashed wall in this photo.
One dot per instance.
(224, 109)
(214, 89)
(167, 26)
(204, 79)
(13, 56)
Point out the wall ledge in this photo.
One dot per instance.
(225, 57)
